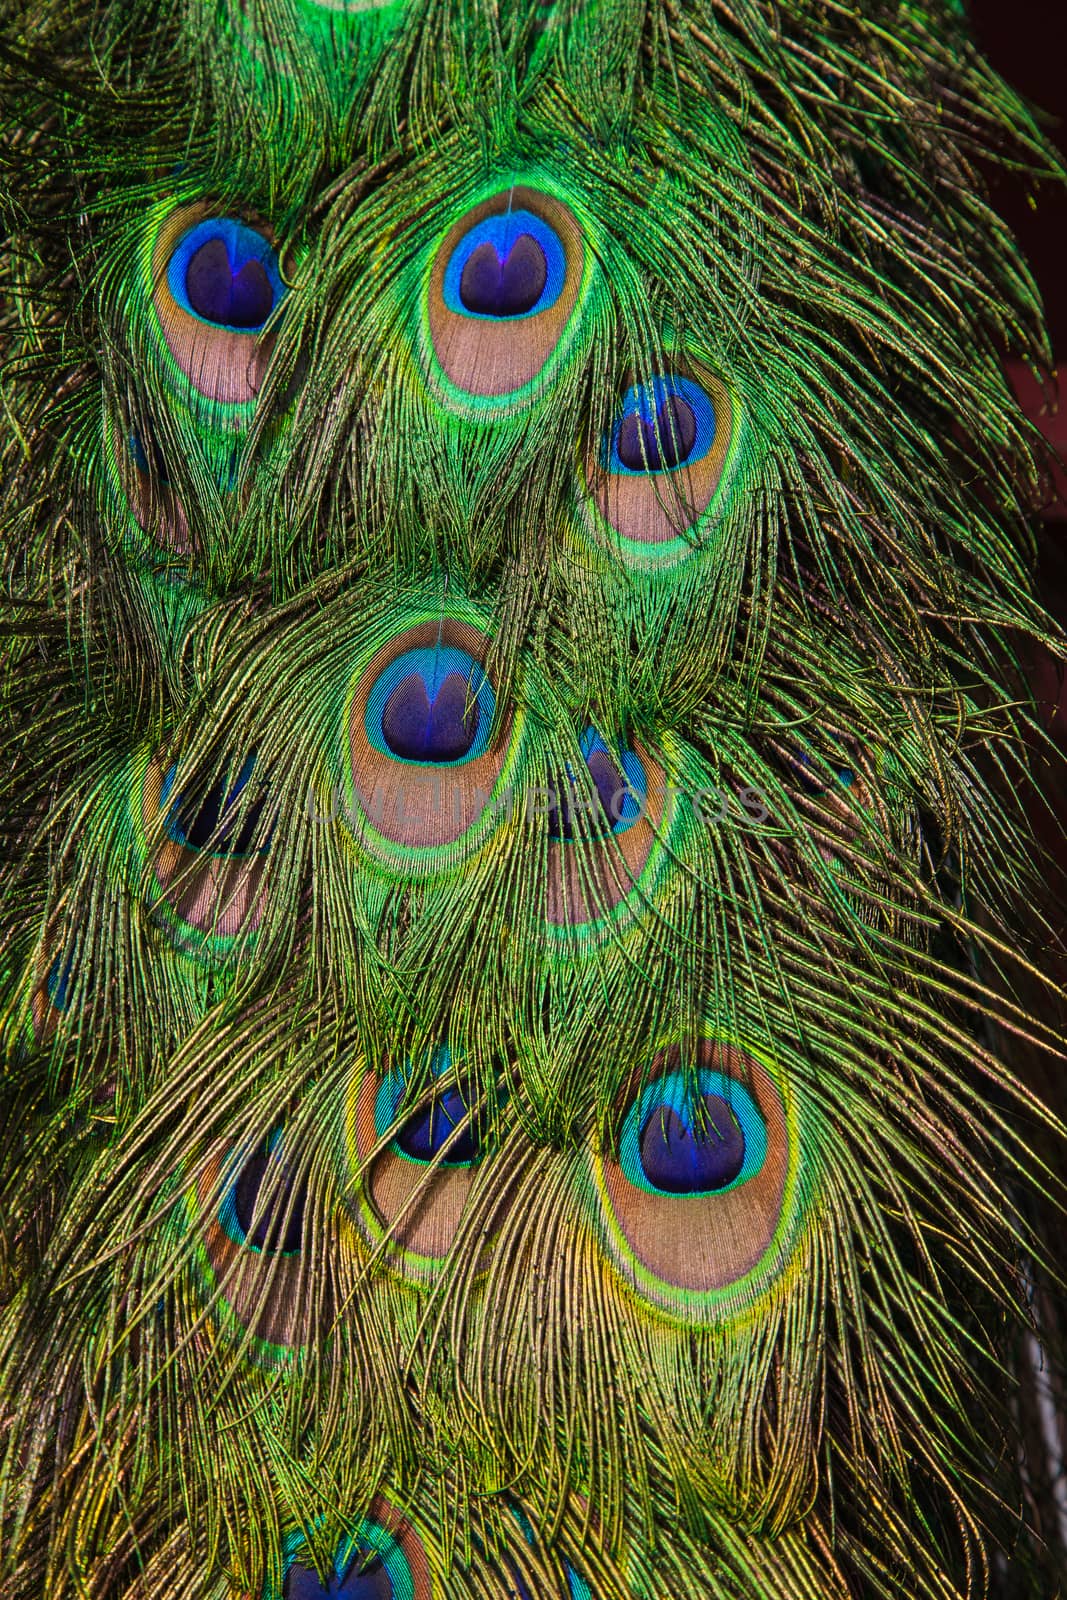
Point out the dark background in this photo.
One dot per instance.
(1026, 40)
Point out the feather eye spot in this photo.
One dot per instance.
(696, 1192)
(577, 1588)
(229, 295)
(268, 1208)
(615, 801)
(58, 981)
(249, 1207)
(148, 460)
(216, 284)
(508, 285)
(656, 445)
(431, 705)
(603, 833)
(142, 479)
(51, 994)
(692, 1154)
(414, 1136)
(382, 1559)
(666, 423)
(655, 473)
(209, 866)
(213, 818)
(226, 274)
(815, 780)
(644, 446)
(677, 1140)
(365, 1578)
(503, 291)
(430, 747)
(443, 1129)
(511, 264)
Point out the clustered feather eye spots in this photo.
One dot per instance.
(504, 298)
(496, 558)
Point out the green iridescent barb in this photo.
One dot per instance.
(520, 894)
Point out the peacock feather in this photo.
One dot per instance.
(523, 918)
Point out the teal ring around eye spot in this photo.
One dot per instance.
(644, 401)
(371, 1538)
(675, 1092)
(501, 231)
(243, 245)
(433, 664)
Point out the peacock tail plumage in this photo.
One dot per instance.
(523, 921)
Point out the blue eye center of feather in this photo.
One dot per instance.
(365, 1578)
(508, 265)
(666, 423)
(431, 705)
(492, 285)
(225, 273)
(434, 1125)
(681, 1138)
(275, 1221)
(618, 780)
(445, 1108)
(694, 1156)
(211, 818)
